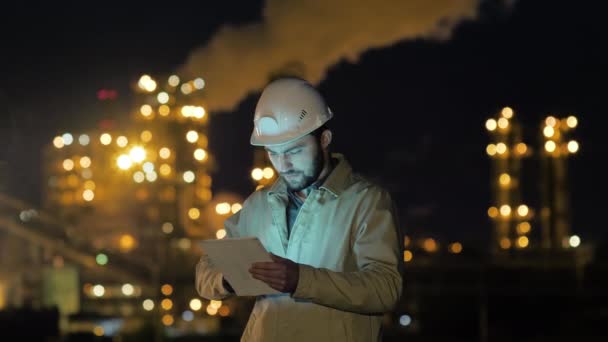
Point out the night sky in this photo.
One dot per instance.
(410, 115)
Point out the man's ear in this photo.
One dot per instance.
(326, 137)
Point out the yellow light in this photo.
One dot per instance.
(127, 242)
(165, 169)
(105, 139)
(507, 112)
(211, 311)
(406, 241)
(550, 146)
(430, 245)
(257, 174)
(58, 142)
(503, 123)
(522, 242)
(164, 110)
(491, 124)
(68, 164)
(548, 131)
(84, 139)
(574, 241)
(504, 179)
(216, 304)
(572, 146)
(493, 212)
(200, 154)
(167, 320)
(523, 210)
(89, 185)
(98, 331)
(143, 81)
(122, 141)
(188, 176)
(137, 154)
(407, 256)
(186, 88)
(551, 121)
(456, 247)
(85, 162)
(196, 304)
(127, 289)
(224, 311)
(150, 85)
(187, 111)
(146, 136)
(199, 83)
(223, 208)
(194, 213)
(221, 233)
(268, 172)
(521, 148)
(501, 148)
(162, 97)
(146, 110)
(173, 80)
(572, 121)
(148, 304)
(124, 162)
(88, 195)
(505, 243)
(99, 290)
(505, 210)
(192, 136)
(139, 177)
(166, 289)
(491, 149)
(148, 167)
(236, 207)
(151, 176)
(524, 227)
(166, 304)
(68, 139)
(167, 227)
(199, 112)
(164, 153)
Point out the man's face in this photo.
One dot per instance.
(299, 162)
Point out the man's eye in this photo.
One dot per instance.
(295, 151)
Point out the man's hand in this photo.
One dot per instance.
(281, 274)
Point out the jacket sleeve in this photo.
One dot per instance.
(208, 279)
(377, 284)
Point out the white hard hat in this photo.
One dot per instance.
(288, 109)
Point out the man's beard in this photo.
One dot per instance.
(308, 180)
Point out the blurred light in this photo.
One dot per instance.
(572, 146)
(105, 139)
(88, 195)
(216, 304)
(504, 179)
(98, 331)
(522, 242)
(501, 148)
(165, 169)
(551, 121)
(166, 289)
(572, 121)
(430, 245)
(505, 243)
(405, 320)
(167, 227)
(58, 142)
(221, 233)
(186, 88)
(456, 247)
(127, 242)
(99, 290)
(268, 172)
(148, 167)
(162, 97)
(521, 148)
(200, 154)
(67, 139)
(85, 162)
(224, 311)
(122, 141)
(211, 311)
(574, 241)
(101, 259)
(192, 136)
(166, 304)
(505, 210)
(503, 123)
(491, 124)
(124, 162)
(89, 185)
(184, 243)
(173, 80)
(188, 177)
(146, 110)
(548, 131)
(550, 146)
(164, 153)
(87, 173)
(137, 154)
(127, 289)
(257, 174)
(146, 136)
(523, 210)
(148, 304)
(187, 111)
(199, 112)
(84, 139)
(407, 256)
(199, 83)
(196, 304)
(507, 112)
(139, 177)
(406, 241)
(187, 316)
(491, 149)
(194, 213)
(258, 187)
(222, 208)
(524, 227)
(164, 110)
(151, 176)
(68, 164)
(236, 207)
(167, 319)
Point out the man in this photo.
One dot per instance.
(332, 235)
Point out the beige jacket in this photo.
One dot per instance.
(346, 241)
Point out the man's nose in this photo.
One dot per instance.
(283, 163)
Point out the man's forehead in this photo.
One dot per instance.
(303, 141)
